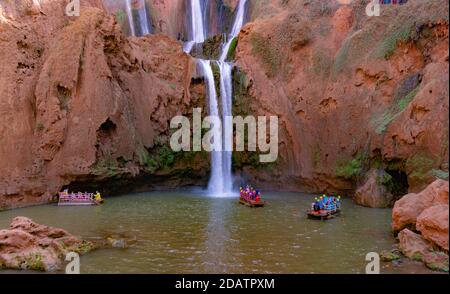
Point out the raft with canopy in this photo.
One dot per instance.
(79, 199)
(250, 197)
(325, 207)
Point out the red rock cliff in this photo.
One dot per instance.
(81, 103)
(352, 92)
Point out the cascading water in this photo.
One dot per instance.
(143, 20)
(226, 93)
(137, 17)
(130, 18)
(221, 181)
(237, 25)
(197, 32)
(216, 182)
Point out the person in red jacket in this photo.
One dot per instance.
(258, 196)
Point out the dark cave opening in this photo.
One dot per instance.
(107, 128)
(128, 184)
(398, 183)
(105, 138)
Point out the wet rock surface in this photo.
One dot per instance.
(433, 225)
(426, 213)
(409, 207)
(86, 107)
(83, 106)
(373, 193)
(350, 94)
(26, 245)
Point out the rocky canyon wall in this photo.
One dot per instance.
(362, 101)
(81, 104)
(353, 93)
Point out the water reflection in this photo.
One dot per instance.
(187, 232)
(217, 237)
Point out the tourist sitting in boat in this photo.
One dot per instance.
(98, 197)
(315, 206)
(258, 196)
(250, 196)
(325, 206)
(79, 198)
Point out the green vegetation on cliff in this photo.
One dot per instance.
(350, 168)
(269, 54)
(403, 34)
(231, 55)
(161, 157)
(419, 166)
(33, 262)
(381, 123)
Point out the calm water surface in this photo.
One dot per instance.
(188, 232)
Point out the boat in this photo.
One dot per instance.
(252, 203)
(325, 207)
(323, 214)
(79, 199)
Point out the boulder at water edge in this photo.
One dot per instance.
(373, 193)
(413, 245)
(433, 225)
(30, 246)
(409, 207)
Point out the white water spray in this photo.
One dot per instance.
(221, 180)
(138, 7)
(237, 26)
(226, 93)
(197, 28)
(143, 21)
(130, 18)
(216, 182)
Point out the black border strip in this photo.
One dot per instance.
(313, 283)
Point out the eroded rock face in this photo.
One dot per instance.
(437, 261)
(416, 247)
(427, 213)
(373, 193)
(80, 102)
(27, 245)
(433, 225)
(350, 94)
(413, 245)
(407, 209)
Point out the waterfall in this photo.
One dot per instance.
(216, 182)
(143, 20)
(226, 93)
(237, 25)
(221, 181)
(197, 25)
(137, 17)
(130, 18)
